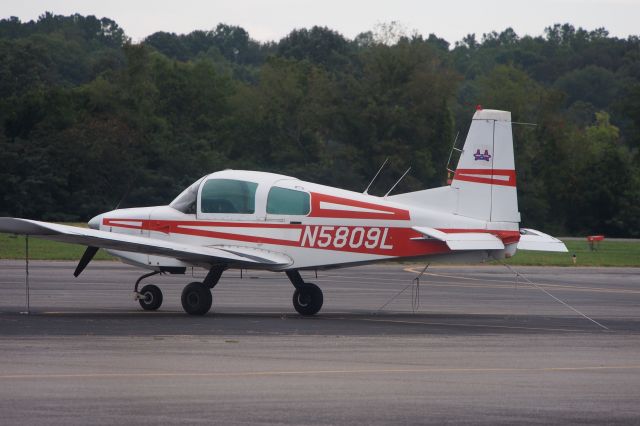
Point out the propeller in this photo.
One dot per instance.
(91, 251)
(85, 259)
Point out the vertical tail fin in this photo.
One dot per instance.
(485, 177)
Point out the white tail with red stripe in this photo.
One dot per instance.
(484, 184)
(485, 179)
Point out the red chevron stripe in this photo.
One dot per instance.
(478, 176)
(385, 212)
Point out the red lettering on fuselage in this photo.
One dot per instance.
(345, 237)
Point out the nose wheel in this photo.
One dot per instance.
(150, 297)
(307, 297)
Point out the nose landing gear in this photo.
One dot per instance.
(150, 297)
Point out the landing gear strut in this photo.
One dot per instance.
(150, 297)
(196, 296)
(307, 298)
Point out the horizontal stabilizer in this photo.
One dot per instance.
(463, 240)
(530, 239)
(240, 256)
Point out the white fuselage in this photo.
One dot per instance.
(338, 227)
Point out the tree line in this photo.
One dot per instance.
(90, 119)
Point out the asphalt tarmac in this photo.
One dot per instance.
(474, 348)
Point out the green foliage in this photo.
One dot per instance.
(592, 84)
(88, 117)
(319, 45)
(13, 247)
(225, 42)
(608, 253)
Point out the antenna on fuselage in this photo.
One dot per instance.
(395, 184)
(366, 191)
(451, 172)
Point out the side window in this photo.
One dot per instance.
(228, 196)
(287, 201)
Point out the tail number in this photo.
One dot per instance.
(345, 236)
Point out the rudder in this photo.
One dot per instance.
(485, 178)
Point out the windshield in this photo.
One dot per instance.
(186, 201)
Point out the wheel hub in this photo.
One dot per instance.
(193, 299)
(304, 299)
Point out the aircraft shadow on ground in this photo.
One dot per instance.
(140, 323)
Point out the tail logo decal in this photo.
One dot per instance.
(478, 156)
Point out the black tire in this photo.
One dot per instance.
(196, 299)
(307, 300)
(151, 297)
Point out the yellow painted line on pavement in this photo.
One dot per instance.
(434, 370)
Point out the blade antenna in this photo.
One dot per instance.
(397, 182)
(366, 191)
(453, 148)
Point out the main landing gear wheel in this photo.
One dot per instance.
(307, 299)
(150, 297)
(196, 298)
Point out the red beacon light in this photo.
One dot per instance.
(478, 107)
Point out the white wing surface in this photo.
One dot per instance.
(243, 256)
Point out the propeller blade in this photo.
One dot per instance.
(86, 258)
(125, 195)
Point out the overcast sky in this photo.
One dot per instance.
(272, 19)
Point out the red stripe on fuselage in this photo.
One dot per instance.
(388, 241)
(383, 212)
(177, 227)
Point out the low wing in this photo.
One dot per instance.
(463, 240)
(530, 239)
(242, 256)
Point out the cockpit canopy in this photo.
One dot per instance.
(187, 200)
(227, 193)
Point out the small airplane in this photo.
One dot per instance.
(256, 220)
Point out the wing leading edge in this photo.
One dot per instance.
(242, 256)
